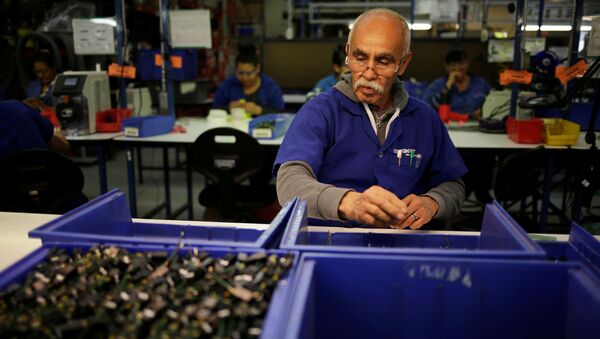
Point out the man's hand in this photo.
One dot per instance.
(237, 104)
(376, 206)
(35, 103)
(253, 108)
(452, 77)
(249, 107)
(421, 209)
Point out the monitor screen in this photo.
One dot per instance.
(70, 82)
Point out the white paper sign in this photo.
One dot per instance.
(190, 28)
(91, 37)
(594, 39)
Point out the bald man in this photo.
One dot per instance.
(365, 153)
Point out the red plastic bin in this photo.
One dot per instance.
(525, 131)
(111, 120)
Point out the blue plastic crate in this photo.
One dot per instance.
(500, 236)
(147, 70)
(148, 126)
(274, 322)
(369, 296)
(107, 219)
(581, 247)
(270, 126)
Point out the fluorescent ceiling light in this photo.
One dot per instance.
(549, 28)
(104, 21)
(417, 26)
(420, 26)
(557, 28)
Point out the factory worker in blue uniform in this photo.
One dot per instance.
(364, 153)
(464, 92)
(22, 127)
(249, 88)
(39, 91)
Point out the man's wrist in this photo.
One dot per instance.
(345, 209)
(433, 205)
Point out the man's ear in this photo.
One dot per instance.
(404, 63)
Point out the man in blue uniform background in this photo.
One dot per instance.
(366, 153)
(464, 92)
(22, 127)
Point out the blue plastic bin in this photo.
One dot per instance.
(148, 126)
(581, 247)
(270, 126)
(107, 219)
(147, 70)
(368, 296)
(500, 236)
(274, 323)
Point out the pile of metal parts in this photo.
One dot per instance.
(110, 292)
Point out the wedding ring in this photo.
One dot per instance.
(414, 217)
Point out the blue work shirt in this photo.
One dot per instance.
(325, 83)
(22, 127)
(466, 102)
(34, 90)
(270, 96)
(334, 135)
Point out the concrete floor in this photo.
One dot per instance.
(151, 192)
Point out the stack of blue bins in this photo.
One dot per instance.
(501, 284)
(349, 283)
(107, 221)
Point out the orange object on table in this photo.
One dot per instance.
(111, 120)
(49, 114)
(447, 115)
(525, 131)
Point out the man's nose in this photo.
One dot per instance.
(370, 73)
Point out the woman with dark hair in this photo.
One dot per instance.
(249, 88)
(39, 91)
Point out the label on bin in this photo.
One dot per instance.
(118, 71)
(132, 131)
(262, 133)
(176, 61)
(565, 74)
(510, 76)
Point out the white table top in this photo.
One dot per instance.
(194, 126)
(462, 137)
(467, 138)
(94, 137)
(294, 98)
(15, 243)
(476, 139)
